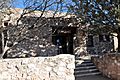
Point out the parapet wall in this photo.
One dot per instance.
(109, 65)
(59, 67)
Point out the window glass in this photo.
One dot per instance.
(104, 38)
(90, 41)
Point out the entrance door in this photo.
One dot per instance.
(63, 38)
(64, 43)
(69, 44)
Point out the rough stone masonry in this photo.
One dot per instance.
(109, 65)
(60, 67)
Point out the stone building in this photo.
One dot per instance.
(51, 36)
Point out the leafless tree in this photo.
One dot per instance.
(27, 21)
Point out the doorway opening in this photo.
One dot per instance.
(63, 39)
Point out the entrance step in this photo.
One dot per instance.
(83, 58)
(85, 67)
(86, 71)
(88, 74)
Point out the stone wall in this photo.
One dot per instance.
(59, 67)
(93, 45)
(109, 65)
(30, 39)
(101, 47)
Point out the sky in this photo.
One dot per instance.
(18, 4)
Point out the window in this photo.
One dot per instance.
(107, 37)
(90, 41)
(101, 38)
(54, 39)
(5, 23)
(104, 38)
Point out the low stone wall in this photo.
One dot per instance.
(109, 65)
(59, 67)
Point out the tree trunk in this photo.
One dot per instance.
(3, 41)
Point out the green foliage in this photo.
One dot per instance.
(95, 12)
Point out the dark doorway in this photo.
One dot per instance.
(64, 43)
(63, 38)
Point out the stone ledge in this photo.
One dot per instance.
(60, 67)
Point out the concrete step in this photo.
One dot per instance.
(88, 74)
(79, 58)
(85, 67)
(87, 61)
(83, 58)
(86, 71)
(84, 64)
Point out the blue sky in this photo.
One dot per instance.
(19, 4)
